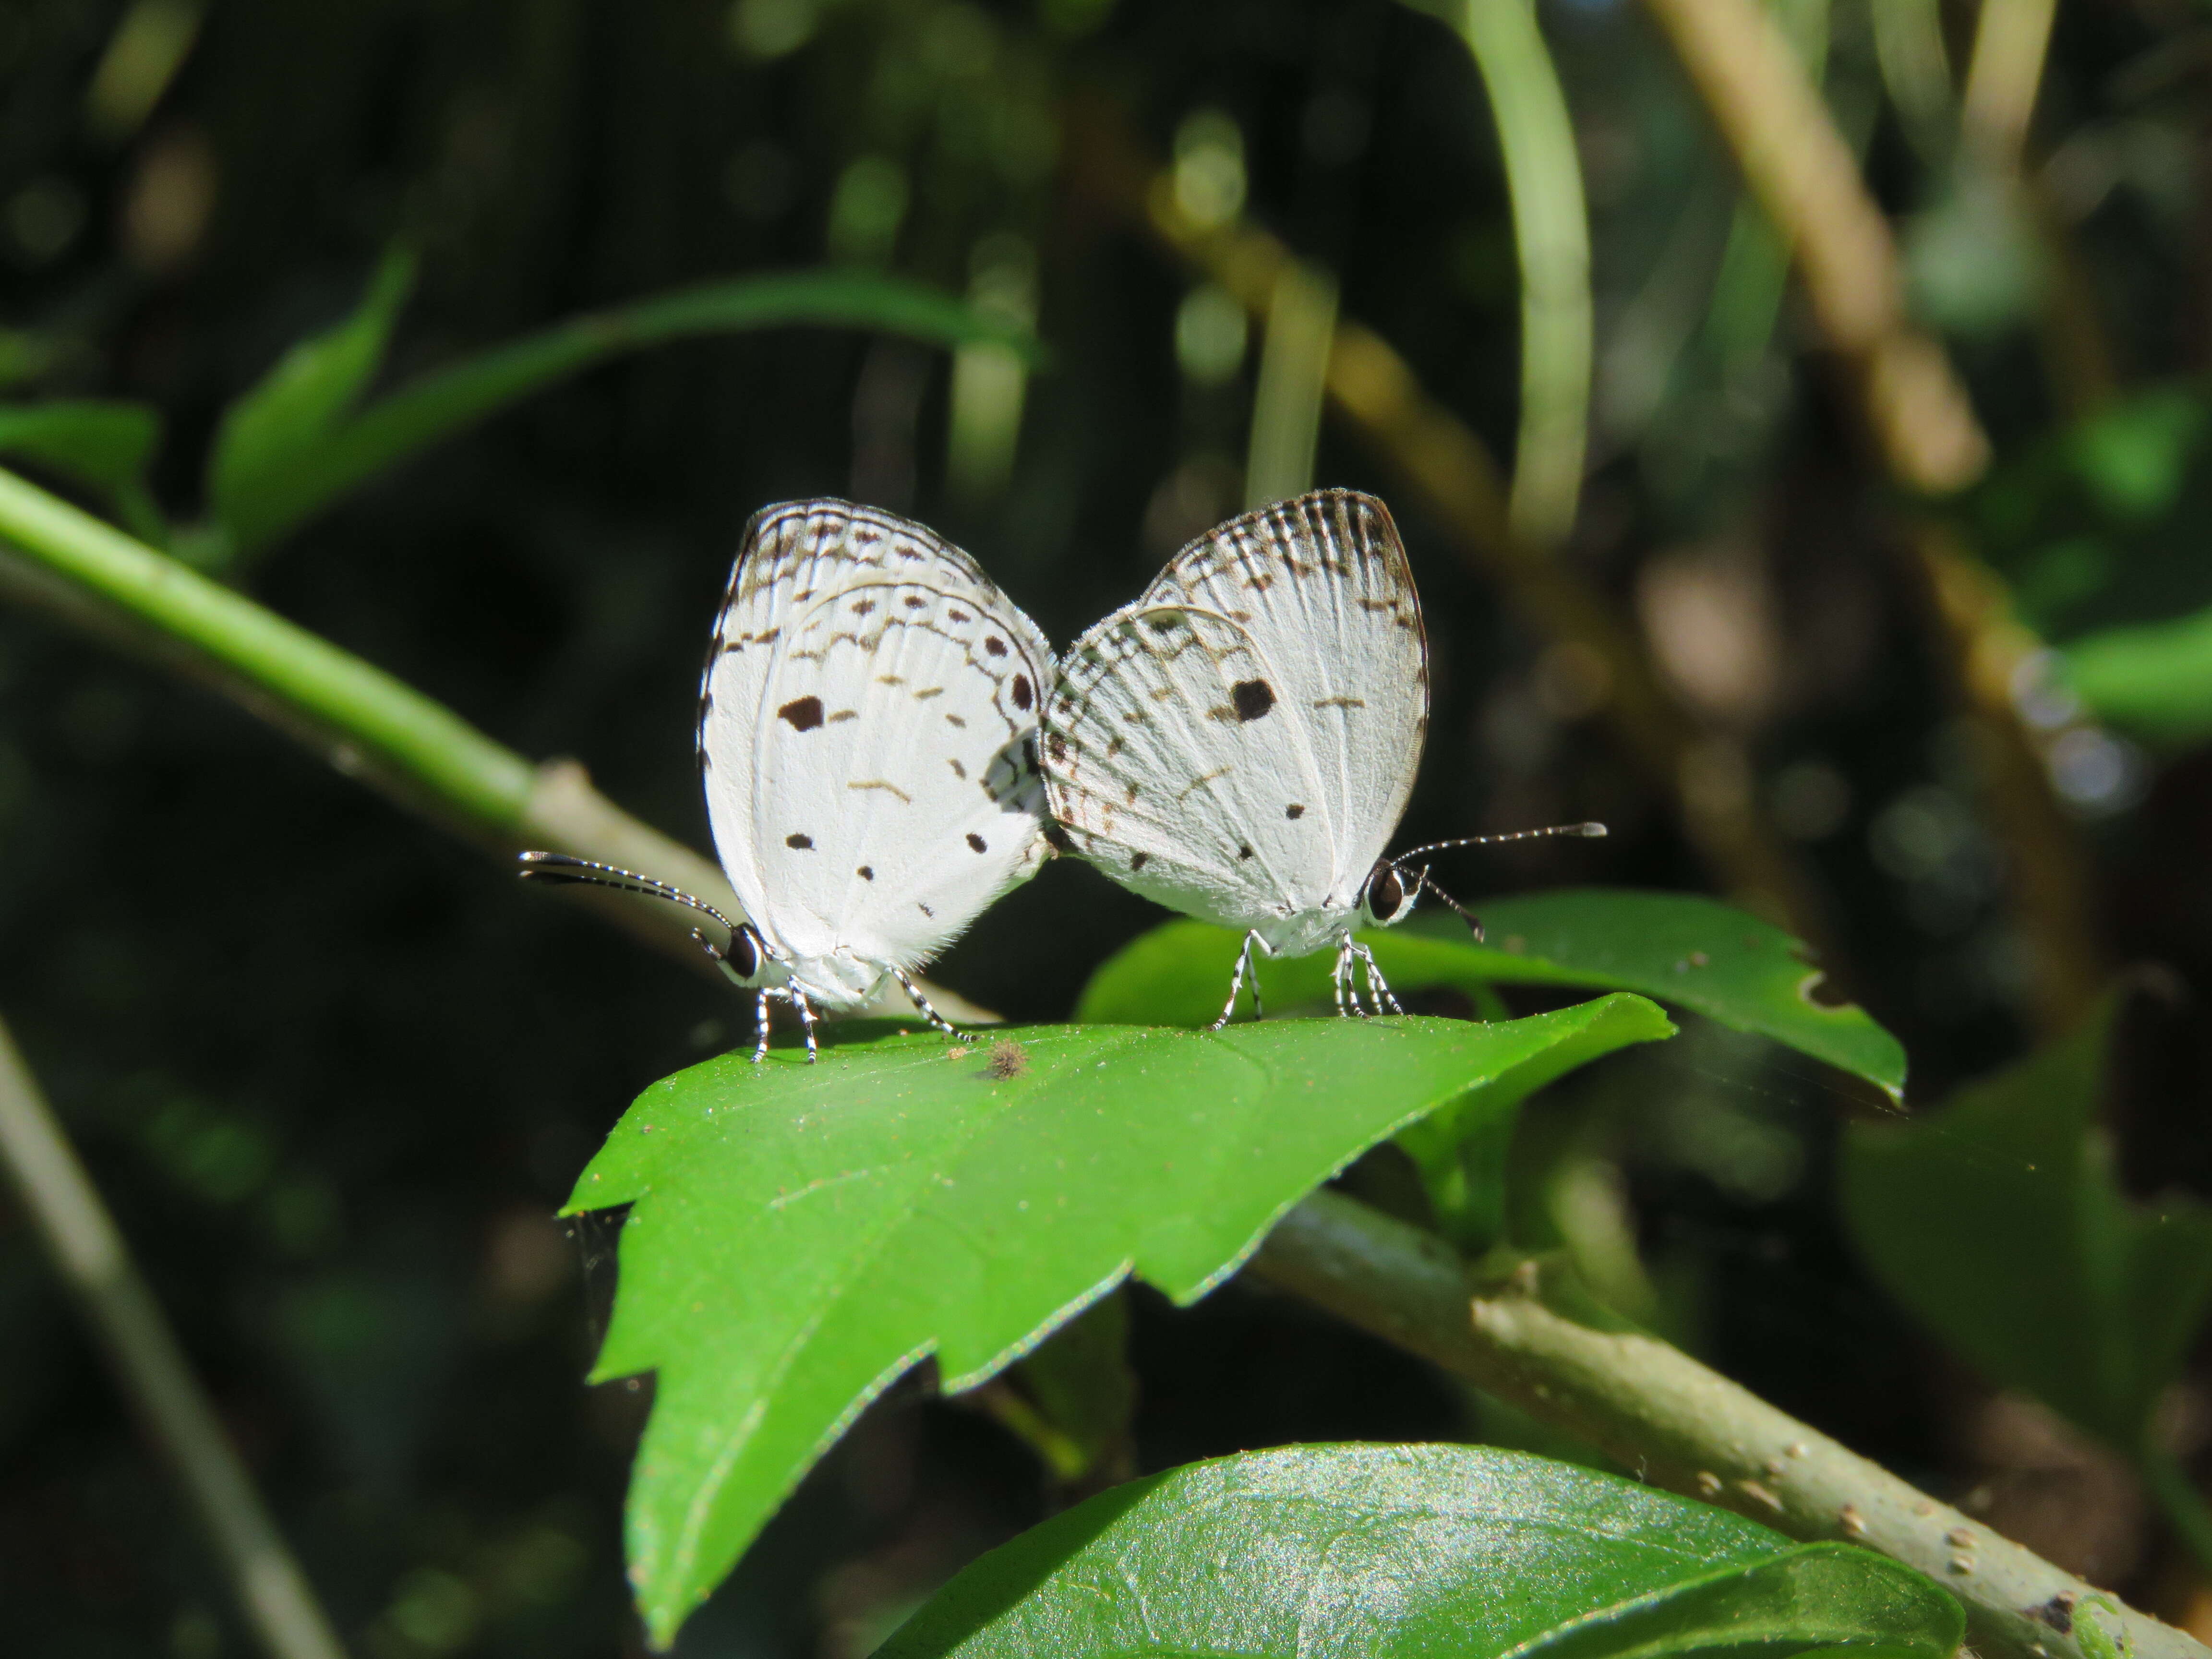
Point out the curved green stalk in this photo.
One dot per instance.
(334, 690)
(1550, 233)
(437, 404)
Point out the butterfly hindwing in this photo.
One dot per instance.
(1239, 744)
(867, 736)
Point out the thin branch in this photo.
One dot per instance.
(1808, 182)
(369, 725)
(2011, 38)
(1533, 1340)
(95, 1264)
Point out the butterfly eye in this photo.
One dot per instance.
(744, 955)
(1386, 893)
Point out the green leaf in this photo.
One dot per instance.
(1996, 1220)
(93, 441)
(803, 1234)
(263, 502)
(268, 435)
(2155, 680)
(100, 443)
(1390, 1550)
(1691, 952)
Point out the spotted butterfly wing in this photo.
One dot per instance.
(1239, 742)
(866, 734)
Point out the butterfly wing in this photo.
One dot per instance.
(867, 736)
(1239, 744)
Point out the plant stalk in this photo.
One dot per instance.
(1551, 236)
(366, 724)
(1532, 1337)
(88, 1252)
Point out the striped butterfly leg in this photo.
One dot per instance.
(1348, 1004)
(797, 999)
(1378, 988)
(921, 1002)
(1244, 966)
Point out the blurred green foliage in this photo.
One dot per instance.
(334, 1075)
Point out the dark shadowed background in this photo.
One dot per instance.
(335, 1070)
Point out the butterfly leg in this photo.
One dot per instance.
(1378, 988)
(1347, 991)
(1244, 966)
(807, 1020)
(760, 1026)
(921, 1002)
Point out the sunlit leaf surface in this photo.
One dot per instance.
(1387, 1552)
(802, 1234)
(1691, 952)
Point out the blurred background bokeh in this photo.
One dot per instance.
(335, 1070)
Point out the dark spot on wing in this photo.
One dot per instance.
(804, 714)
(865, 873)
(1294, 810)
(958, 770)
(1138, 860)
(1058, 745)
(978, 842)
(925, 910)
(956, 616)
(862, 607)
(1253, 698)
(1244, 851)
(1023, 696)
(799, 842)
(914, 602)
(994, 645)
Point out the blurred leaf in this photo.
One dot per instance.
(1716, 961)
(268, 489)
(1996, 1220)
(24, 355)
(802, 1235)
(1390, 1550)
(2100, 524)
(2154, 681)
(1973, 260)
(2134, 455)
(1080, 1382)
(94, 442)
(270, 433)
(102, 444)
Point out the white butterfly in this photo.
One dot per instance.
(867, 731)
(1238, 744)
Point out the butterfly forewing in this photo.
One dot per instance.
(1239, 744)
(867, 734)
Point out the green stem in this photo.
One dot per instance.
(369, 725)
(1531, 1338)
(1551, 235)
(89, 1252)
(369, 715)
